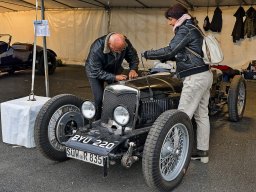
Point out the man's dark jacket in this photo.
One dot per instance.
(187, 63)
(103, 64)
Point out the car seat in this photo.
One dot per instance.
(3, 47)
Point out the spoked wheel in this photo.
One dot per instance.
(167, 150)
(236, 98)
(56, 122)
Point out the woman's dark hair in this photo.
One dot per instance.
(176, 11)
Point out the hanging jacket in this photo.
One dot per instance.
(250, 23)
(207, 23)
(216, 24)
(238, 30)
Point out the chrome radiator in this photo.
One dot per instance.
(112, 100)
(151, 109)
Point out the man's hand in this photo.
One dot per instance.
(121, 77)
(133, 74)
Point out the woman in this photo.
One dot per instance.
(196, 75)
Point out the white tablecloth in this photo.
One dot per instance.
(18, 118)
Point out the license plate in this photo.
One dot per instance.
(84, 156)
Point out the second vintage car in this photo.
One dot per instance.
(19, 56)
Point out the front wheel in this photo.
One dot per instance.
(167, 150)
(236, 98)
(56, 122)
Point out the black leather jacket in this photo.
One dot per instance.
(103, 64)
(187, 63)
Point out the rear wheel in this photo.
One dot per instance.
(167, 150)
(236, 98)
(51, 64)
(56, 122)
(11, 71)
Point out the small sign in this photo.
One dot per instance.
(41, 28)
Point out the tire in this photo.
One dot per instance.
(55, 123)
(51, 64)
(11, 71)
(236, 98)
(155, 148)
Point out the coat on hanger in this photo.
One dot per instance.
(216, 24)
(250, 23)
(238, 30)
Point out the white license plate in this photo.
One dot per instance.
(84, 156)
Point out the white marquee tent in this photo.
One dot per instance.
(75, 24)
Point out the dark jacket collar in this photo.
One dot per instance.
(106, 47)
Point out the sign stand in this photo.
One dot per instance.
(40, 29)
(18, 116)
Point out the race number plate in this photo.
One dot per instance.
(85, 156)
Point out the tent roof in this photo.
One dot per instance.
(25, 5)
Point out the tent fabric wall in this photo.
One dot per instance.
(147, 29)
(73, 31)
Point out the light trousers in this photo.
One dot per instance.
(194, 100)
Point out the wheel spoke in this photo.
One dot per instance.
(171, 152)
(174, 144)
(169, 164)
(241, 98)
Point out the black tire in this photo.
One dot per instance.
(236, 98)
(55, 124)
(155, 147)
(52, 63)
(11, 71)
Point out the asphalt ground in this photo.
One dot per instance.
(232, 150)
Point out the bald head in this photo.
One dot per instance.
(117, 42)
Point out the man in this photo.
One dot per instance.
(196, 76)
(103, 64)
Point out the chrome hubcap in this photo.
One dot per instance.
(62, 125)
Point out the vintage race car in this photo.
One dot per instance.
(19, 56)
(139, 120)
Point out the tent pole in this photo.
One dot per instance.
(109, 17)
(108, 10)
(45, 55)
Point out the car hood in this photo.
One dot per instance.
(160, 81)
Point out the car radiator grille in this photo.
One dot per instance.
(151, 109)
(112, 100)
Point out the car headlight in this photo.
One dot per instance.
(121, 115)
(88, 109)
